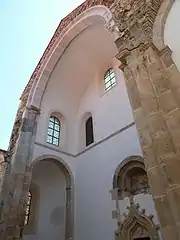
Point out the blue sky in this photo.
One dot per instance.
(26, 28)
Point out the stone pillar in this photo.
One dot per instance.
(69, 214)
(18, 182)
(4, 175)
(153, 86)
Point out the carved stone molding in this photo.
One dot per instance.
(136, 224)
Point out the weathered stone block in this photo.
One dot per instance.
(145, 137)
(174, 194)
(157, 124)
(167, 102)
(171, 167)
(162, 206)
(150, 157)
(140, 118)
(173, 120)
(156, 181)
(133, 94)
(164, 145)
(150, 105)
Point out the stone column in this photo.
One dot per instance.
(4, 175)
(153, 86)
(69, 214)
(18, 181)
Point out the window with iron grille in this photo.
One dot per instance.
(53, 134)
(109, 79)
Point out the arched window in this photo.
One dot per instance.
(89, 131)
(53, 134)
(27, 212)
(109, 79)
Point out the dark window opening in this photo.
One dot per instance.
(89, 131)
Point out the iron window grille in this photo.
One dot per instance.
(109, 79)
(53, 134)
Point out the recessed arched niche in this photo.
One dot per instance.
(130, 177)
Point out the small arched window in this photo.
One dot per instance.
(89, 131)
(27, 212)
(109, 79)
(53, 134)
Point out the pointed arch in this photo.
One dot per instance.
(137, 225)
(95, 15)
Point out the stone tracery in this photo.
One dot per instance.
(136, 224)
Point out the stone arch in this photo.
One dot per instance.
(124, 173)
(61, 163)
(94, 15)
(69, 223)
(159, 24)
(134, 158)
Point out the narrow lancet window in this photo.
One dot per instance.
(89, 131)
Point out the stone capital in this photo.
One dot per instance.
(33, 109)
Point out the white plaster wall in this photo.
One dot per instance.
(110, 111)
(72, 76)
(172, 33)
(51, 221)
(94, 177)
